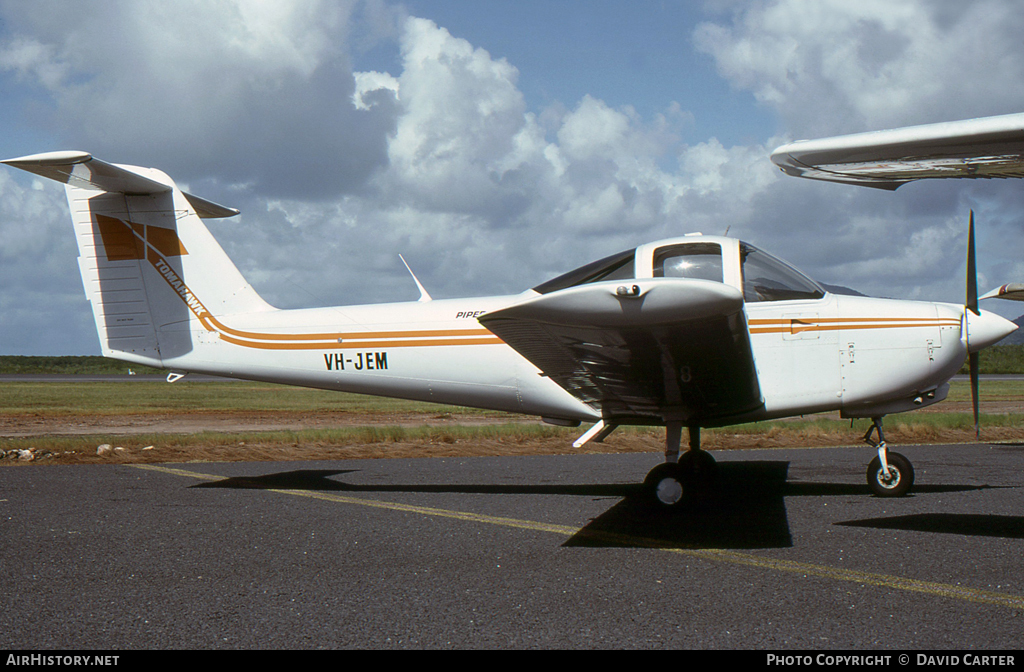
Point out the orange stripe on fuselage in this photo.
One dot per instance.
(343, 336)
(802, 324)
(410, 343)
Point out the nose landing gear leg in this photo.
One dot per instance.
(889, 474)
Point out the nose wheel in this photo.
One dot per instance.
(889, 474)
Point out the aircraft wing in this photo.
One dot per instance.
(977, 148)
(648, 351)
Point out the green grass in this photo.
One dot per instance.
(67, 365)
(336, 437)
(927, 427)
(145, 397)
(148, 397)
(988, 391)
(934, 420)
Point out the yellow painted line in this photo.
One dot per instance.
(716, 555)
(855, 576)
(431, 511)
(393, 506)
(178, 472)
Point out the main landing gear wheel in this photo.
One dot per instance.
(681, 476)
(897, 482)
(699, 467)
(666, 484)
(669, 484)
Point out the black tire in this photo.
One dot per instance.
(665, 485)
(699, 468)
(898, 483)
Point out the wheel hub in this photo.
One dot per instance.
(889, 480)
(669, 491)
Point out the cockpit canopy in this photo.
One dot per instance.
(616, 267)
(761, 276)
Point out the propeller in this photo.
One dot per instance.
(972, 305)
(983, 328)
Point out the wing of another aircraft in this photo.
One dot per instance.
(976, 148)
(640, 350)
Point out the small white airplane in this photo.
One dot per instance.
(695, 331)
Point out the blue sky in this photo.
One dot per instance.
(626, 54)
(497, 144)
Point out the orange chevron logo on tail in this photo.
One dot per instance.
(127, 240)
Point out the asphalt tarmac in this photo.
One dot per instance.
(791, 552)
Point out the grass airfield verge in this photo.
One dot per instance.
(66, 423)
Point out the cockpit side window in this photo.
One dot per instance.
(767, 278)
(700, 261)
(616, 267)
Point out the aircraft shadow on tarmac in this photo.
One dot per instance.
(745, 508)
(973, 525)
(320, 480)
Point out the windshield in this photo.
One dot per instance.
(768, 278)
(616, 267)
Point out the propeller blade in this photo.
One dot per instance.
(972, 270)
(973, 359)
(972, 305)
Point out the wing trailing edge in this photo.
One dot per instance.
(987, 147)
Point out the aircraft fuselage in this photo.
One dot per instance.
(859, 355)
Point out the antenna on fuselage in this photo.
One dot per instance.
(423, 292)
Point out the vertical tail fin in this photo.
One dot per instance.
(154, 274)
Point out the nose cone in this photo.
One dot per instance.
(986, 329)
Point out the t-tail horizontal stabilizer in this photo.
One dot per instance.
(80, 169)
